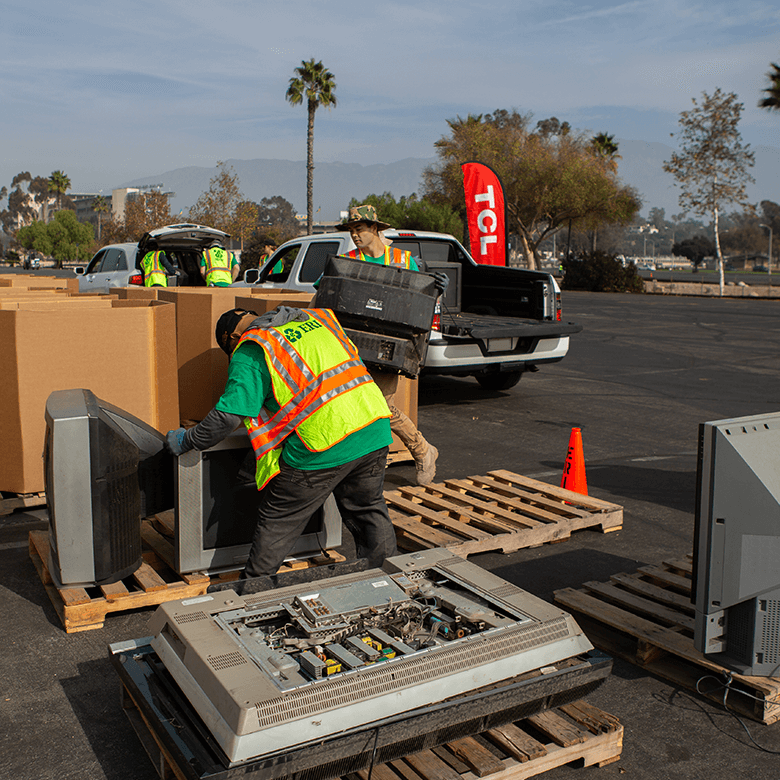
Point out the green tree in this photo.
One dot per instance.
(314, 83)
(217, 206)
(771, 99)
(59, 184)
(64, 237)
(551, 181)
(695, 249)
(100, 206)
(413, 213)
(711, 167)
(276, 219)
(605, 147)
(25, 199)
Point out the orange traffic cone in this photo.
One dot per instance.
(574, 467)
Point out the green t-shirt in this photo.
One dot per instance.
(249, 388)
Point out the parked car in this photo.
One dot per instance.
(760, 269)
(119, 265)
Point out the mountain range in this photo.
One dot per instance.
(336, 183)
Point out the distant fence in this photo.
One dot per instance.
(712, 290)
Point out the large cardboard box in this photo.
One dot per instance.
(263, 299)
(202, 364)
(137, 293)
(125, 352)
(33, 281)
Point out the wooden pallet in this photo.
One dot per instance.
(501, 511)
(577, 732)
(153, 583)
(647, 618)
(21, 501)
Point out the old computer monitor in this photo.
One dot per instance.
(216, 510)
(736, 586)
(104, 470)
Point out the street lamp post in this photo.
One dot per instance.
(769, 259)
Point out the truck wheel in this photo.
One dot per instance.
(499, 381)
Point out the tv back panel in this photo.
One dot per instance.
(736, 588)
(295, 666)
(216, 510)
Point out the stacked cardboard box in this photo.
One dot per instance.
(121, 350)
(32, 281)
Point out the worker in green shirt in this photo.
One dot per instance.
(218, 266)
(365, 228)
(318, 425)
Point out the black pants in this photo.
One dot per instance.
(290, 499)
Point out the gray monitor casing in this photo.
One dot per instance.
(737, 544)
(254, 699)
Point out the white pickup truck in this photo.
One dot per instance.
(496, 323)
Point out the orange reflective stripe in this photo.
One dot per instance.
(392, 256)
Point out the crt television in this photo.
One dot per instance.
(104, 471)
(736, 571)
(216, 510)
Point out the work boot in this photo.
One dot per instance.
(426, 467)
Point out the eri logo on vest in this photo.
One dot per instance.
(295, 334)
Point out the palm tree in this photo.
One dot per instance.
(313, 82)
(60, 184)
(605, 147)
(100, 207)
(772, 100)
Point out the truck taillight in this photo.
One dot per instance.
(558, 310)
(136, 279)
(436, 324)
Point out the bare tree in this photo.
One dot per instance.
(711, 167)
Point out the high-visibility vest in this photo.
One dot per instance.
(393, 256)
(217, 266)
(154, 273)
(320, 383)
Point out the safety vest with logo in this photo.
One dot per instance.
(320, 383)
(217, 266)
(393, 256)
(154, 273)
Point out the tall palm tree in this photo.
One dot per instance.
(315, 83)
(100, 207)
(772, 99)
(605, 146)
(59, 183)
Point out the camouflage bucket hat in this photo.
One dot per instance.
(364, 213)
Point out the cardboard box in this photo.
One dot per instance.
(137, 293)
(125, 352)
(202, 364)
(263, 299)
(33, 281)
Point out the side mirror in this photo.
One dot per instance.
(251, 275)
(79, 270)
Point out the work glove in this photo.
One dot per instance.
(174, 441)
(442, 281)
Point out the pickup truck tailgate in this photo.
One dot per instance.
(486, 326)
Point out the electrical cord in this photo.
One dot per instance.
(729, 679)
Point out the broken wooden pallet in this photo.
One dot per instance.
(501, 511)
(11, 502)
(647, 618)
(153, 583)
(577, 732)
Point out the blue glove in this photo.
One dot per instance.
(442, 281)
(174, 441)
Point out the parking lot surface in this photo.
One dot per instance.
(644, 372)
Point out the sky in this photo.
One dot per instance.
(111, 92)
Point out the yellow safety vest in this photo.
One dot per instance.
(154, 273)
(217, 266)
(393, 256)
(320, 383)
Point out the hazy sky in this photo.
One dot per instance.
(110, 92)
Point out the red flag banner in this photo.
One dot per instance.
(486, 213)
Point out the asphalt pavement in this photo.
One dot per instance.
(644, 372)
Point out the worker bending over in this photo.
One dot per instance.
(156, 269)
(318, 425)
